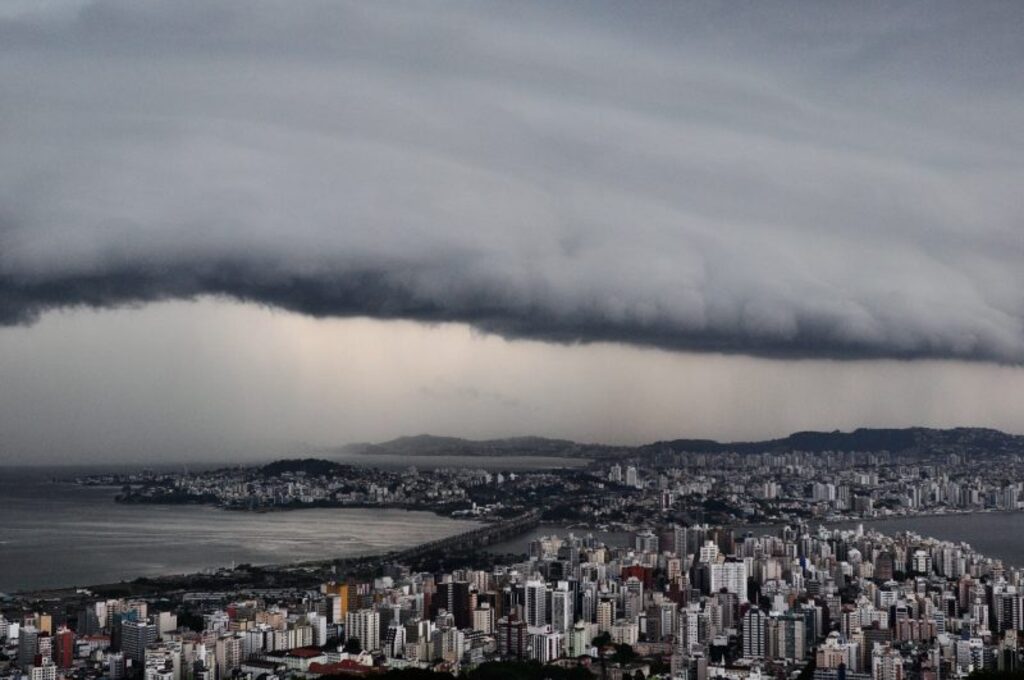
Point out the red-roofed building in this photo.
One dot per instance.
(344, 667)
(298, 659)
(644, 574)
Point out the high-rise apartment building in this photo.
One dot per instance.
(535, 603)
(364, 625)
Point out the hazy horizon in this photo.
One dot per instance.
(232, 229)
(192, 385)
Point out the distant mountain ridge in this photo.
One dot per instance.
(894, 440)
(432, 445)
(905, 441)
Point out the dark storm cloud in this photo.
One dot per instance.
(784, 179)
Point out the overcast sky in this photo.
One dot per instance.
(235, 228)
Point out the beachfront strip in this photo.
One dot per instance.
(693, 603)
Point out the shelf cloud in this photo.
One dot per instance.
(786, 180)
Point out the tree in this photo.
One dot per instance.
(411, 674)
(352, 646)
(624, 653)
(989, 674)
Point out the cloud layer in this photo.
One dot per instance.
(786, 181)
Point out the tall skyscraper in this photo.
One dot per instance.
(536, 603)
(753, 633)
(483, 618)
(28, 646)
(364, 625)
(545, 644)
(605, 615)
(679, 540)
(732, 576)
(454, 597)
(513, 638)
(64, 647)
(135, 636)
(561, 608)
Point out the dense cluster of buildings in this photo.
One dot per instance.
(317, 483)
(683, 599)
(724, 487)
(796, 485)
(689, 602)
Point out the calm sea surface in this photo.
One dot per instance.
(59, 534)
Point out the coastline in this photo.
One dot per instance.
(307, 573)
(286, 574)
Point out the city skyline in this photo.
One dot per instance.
(678, 564)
